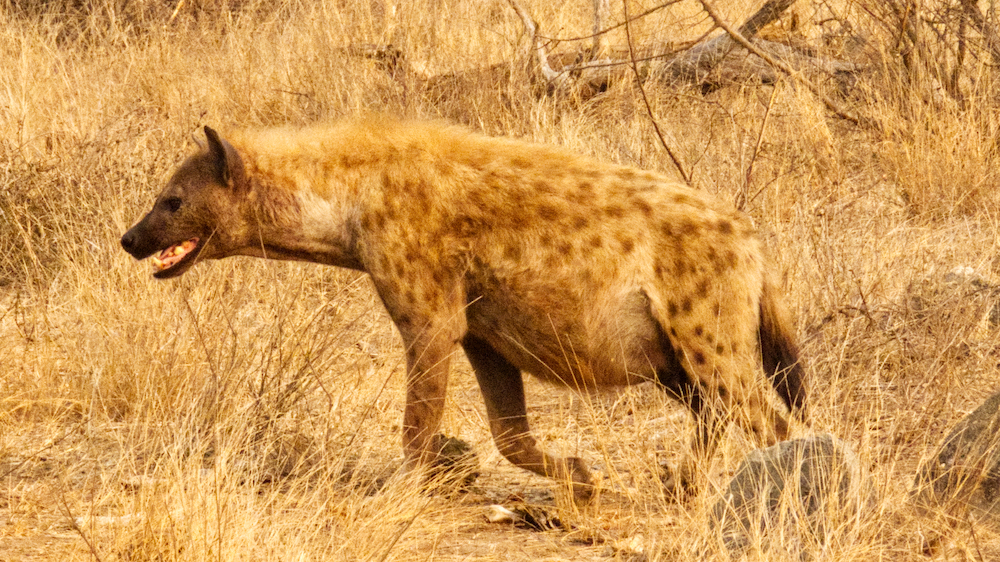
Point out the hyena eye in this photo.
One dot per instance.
(172, 204)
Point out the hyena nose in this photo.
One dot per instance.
(128, 241)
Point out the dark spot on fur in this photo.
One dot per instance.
(644, 207)
(542, 186)
(438, 276)
(549, 213)
(709, 337)
(725, 227)
(702, 288)
(672, 309)
(686, 305)
(628, 174)
(512, 252)
(596, 242)
(680, 267)
(720, 349)
(627, 245)
(699, 358)
(734, 347)
(687, 228)
(583, 198)
(731, 258)
(699, 330)
(723, 393)
(565, 248)
(615, 211)
(390, 212)
(400, 269)
(520, 162)
(580, 222)
(519, 221)
(673, 331)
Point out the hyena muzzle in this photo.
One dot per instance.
(529, 258)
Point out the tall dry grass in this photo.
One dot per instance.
(251, 410)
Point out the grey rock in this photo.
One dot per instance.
(801, 490)
(963, 475)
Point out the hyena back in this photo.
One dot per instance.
(529, 258)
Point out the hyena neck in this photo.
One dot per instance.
(296, 223)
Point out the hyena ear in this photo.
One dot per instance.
(226, 160)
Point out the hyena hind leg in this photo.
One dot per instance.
(503, 391)
(710, 423)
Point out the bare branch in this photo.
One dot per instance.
(989, 32)
(557, 79)
(746, 44)
(701, 58)
(645, 100)
(602, 13)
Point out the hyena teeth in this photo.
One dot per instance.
(157, 262)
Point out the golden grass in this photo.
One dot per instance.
(250, 410)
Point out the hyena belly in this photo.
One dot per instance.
(600, 337)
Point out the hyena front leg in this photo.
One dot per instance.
(503, 391)
(428, 358)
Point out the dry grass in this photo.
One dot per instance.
(250, 410)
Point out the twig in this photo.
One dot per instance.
(645, 100)
(177, 10)
(76, 527)
(741, 197)
(739, 38)
(617, 25)
(555, 78)
(402, 531)
(46, 447)
(975, 539)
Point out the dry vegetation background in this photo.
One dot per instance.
(250, 410)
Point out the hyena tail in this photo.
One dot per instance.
(779, 354)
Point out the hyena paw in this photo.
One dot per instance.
(582, 486)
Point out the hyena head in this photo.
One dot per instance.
(198, 215)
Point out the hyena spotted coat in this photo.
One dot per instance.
(529, 258)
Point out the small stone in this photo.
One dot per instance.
(807, 487)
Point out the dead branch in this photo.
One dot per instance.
(555, 79)
(645, 100)
(784, 67)
(602, 13)
(697, 61)
(989, 32)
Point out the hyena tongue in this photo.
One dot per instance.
(174, 254)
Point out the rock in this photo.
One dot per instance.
(801, 490)
(963, 476)
(457, 465)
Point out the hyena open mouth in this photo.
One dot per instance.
(174, 256)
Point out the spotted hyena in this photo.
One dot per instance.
(528, 257)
